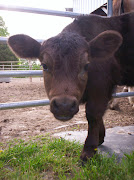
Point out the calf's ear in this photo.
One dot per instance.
(24, 46)
(105, 45)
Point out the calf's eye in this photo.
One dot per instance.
(86, 67)
(45, 67)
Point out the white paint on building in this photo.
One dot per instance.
(87, 6)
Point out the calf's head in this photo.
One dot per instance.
(66, 60)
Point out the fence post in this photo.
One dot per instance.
(30, 68)
(109, 8)
(11, 66)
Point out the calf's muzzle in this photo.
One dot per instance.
(64, 108)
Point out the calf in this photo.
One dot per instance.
(122, 6)
(83, 64)
(131, 99)
(119, 7)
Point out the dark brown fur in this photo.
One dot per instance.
(83, 64)
(120, 7)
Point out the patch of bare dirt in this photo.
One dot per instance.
(26, 122)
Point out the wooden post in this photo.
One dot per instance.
(30, 68)
(11, 66)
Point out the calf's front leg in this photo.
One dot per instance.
(95, 137)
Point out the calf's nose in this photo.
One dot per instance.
(64, 108)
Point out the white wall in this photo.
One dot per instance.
(87, 6)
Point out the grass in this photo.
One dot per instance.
(47, 158)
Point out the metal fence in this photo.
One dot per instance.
(39, 11)
(14, 105)
(23, 73)
(17, 65)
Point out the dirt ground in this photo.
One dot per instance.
(27, 122)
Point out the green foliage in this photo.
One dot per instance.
(46, 158)
(5, 53)
(35, 66)
(3, 28)
(24, 64)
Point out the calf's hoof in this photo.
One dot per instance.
(85, 155)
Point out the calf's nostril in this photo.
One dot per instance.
(55, 105)
(64, 107)
(73, 107)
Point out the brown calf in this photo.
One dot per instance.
(83, 64)
(120, 7)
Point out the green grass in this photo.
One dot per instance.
(46, 158)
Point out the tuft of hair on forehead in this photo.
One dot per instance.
(65, 43)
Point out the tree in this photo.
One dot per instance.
(3, 28)
(5, 52)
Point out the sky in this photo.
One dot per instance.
(36, 25)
